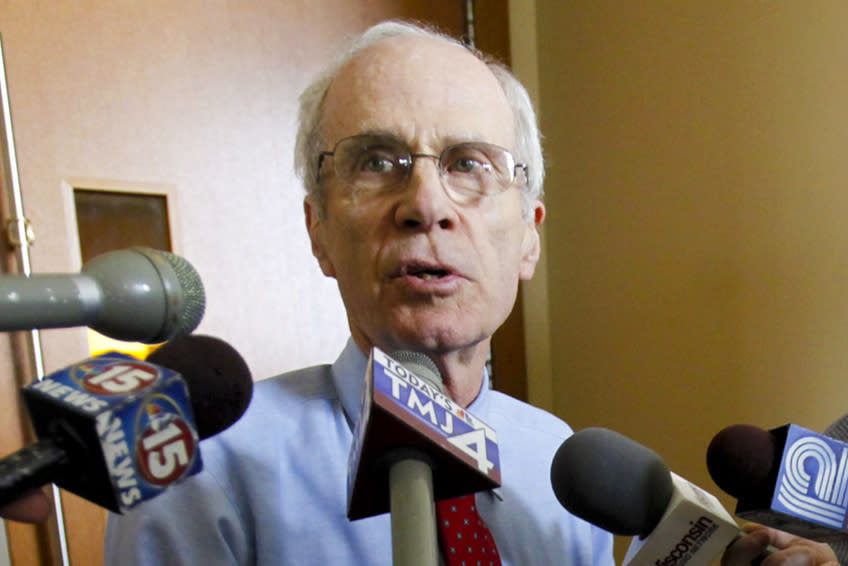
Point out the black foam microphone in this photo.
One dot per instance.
(743, 460)
(138, 294)
(621, 486)
(218, 379)
(118, 431)
(789, 478)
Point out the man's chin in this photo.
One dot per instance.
(440, 339)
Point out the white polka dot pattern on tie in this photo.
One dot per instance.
(464, 538)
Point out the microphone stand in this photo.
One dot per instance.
(413, 511)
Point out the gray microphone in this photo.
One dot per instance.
(411, 492)
(839, 431)
(625, 488)
(138, 294)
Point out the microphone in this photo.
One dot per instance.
(138, 294)
(423, 446)
(623, 487)
(118, 431)
(839, 431)
(789, 478)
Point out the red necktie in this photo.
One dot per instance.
(464, 538)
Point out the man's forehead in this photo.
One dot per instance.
(410, 51)
(417, 87)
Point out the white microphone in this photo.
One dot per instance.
(621, 486)
(138, 294)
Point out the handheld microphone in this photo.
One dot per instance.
(138, 294)
(118, 431)
(839, 431)
(418, 442)
(623, 487)
(789, 478)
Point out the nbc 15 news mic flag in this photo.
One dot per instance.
(401, 410)
(121, 431)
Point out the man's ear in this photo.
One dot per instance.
(317, 228)
(532, 245)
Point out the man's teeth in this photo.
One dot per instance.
(427, 275)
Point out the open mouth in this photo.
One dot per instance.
(425, 273)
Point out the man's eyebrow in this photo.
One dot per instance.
(379, 133)
(443, 141)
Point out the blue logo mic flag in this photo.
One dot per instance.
(810, 494)
(401, 410)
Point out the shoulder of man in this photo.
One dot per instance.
(516, 414)
(277, 399)
(303, 384)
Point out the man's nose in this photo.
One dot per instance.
(425, 203)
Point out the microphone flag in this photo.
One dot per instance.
(400, 412)
(126, 427)
(810, 495)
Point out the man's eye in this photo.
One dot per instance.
(377, 164)
(469, 164)
(375, 161)
(466, 165)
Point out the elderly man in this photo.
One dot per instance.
(423, 173)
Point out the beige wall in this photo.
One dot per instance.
(697, 243)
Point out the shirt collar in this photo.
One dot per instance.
(349, 377)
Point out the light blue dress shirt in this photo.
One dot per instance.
(274, 487)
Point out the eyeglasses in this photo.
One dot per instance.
(468, 170)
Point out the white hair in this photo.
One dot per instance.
(310, 143)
